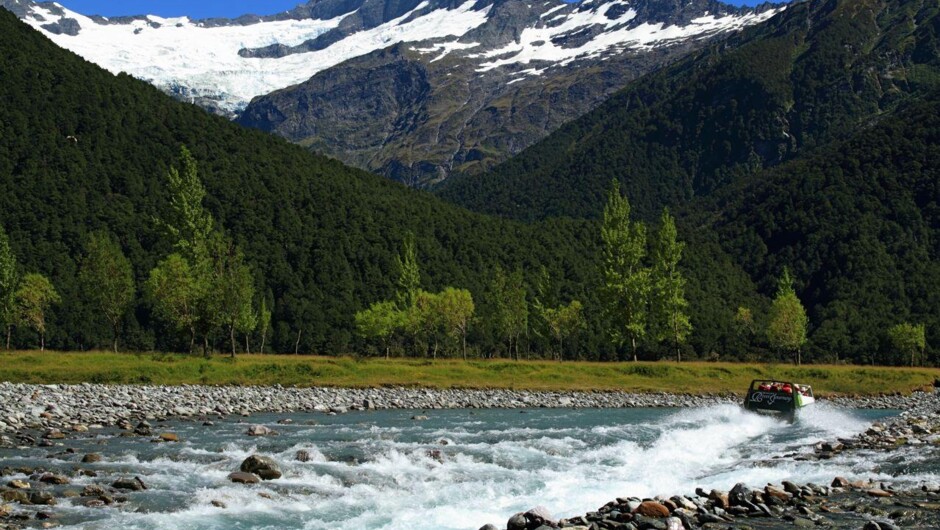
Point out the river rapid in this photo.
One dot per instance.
(457, 469)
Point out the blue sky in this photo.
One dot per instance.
(203, 8)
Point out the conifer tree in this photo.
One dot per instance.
(107, 280)
(626, 279)
(9, 282)
(669, 306)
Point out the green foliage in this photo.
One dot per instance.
(107, 280)
(380, 321)
(457, 308)
(626, 278)
(668, 304)
(9, 282)
(174, 292)
(409, 274)
(189, 224)
(509, 313)
(908, 339)
(788, 321)
(230, 289)
(564, 321)
(34, 297)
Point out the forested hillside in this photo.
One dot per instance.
(812, 74)
(82, 150)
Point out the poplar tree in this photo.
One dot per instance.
(669, 306)
(175, 292)
(33, 299)
(409, 275)
(264, 321)
(626, 279)
(190, 225)
(107, 280)
(510, 307)
(563, 322)
(231, 289)
(788, 321)
(456, 306)
(9, 282)
(909, 339)
(380, 321)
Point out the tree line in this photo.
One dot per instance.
(643, 300)
(205, 287)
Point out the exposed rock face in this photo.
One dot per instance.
(417, 112)
(411, 89)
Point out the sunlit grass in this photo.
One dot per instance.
(291, 370)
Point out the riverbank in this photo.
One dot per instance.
(308, 371)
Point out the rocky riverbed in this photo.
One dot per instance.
(66, 407)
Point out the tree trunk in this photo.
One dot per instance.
(205, 346)
(115, 337)
(192, 340)
(9, 332)
(247, 345)
(231, 332)
(464, 345)
(42, 341)
(264, 333)
(633, 344)
(297, 343)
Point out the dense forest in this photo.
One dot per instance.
(86, 159)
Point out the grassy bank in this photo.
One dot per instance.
(698, 378)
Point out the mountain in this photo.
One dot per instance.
(411, 89)
(810, 142)
(83, 150)
(814, 73)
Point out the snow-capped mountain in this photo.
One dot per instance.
(464, 55)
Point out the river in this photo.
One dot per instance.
(458, 469)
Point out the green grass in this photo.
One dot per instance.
(289, 370)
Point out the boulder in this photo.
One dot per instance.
(674, 523)
(169, 437)
(43, 498)
(777, 493)
(53, 434)
(652, 509)
(239, 477)
(91, 458)
(93, 490)
(19, 496)
(876, 492)
(302, 456)
(517, 522)
(489, 527)
(219, 504)
(6, 510)
(52, 478)
(18, 484)
(264, 467)
(739, 495)
(720, 499)
(258, 430)
(840, 482)
(130, 484)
